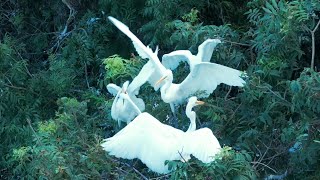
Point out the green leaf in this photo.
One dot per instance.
(295, 86)
(274, 3)
(266, 10)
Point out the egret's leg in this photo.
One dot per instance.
(174, 120)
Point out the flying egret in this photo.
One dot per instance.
(153, 142)
(173, 59)
(121, 109)
(152, 71)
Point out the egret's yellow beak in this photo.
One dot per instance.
(200, 102)
(160, 80)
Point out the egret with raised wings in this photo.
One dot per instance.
(202, 80)
(150, 72)
(205, 50)
(121, 109)
(153, 142)
(204, 77)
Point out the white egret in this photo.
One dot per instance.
(152, 71)
(204, 76)
(121, 109)
(173, 59)
(203, 79)
(153, 142)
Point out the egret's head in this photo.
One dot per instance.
(194, 101)
(161, 80)
(125, 86)
(167, 77)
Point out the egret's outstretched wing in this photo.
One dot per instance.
(147, 139)
(148, 73)
(144, 52)
(113, 89)
(205, 49)
(202, 144)
(206, 77)
(173, 59)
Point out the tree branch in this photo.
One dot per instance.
(313, 44)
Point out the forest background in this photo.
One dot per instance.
(56, 58)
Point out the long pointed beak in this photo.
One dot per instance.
(160, 80)
(200, 102)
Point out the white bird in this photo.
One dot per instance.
(152, 71)
(202, 80)
(204, 76)
(173, 59)
(147, 139)
(121, 109)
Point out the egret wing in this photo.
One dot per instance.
(148, 73)
(206, 77)
(147, 139)
(173, 59)
(202, 144)
(205, 49)
(143, 51)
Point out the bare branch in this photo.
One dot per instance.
(313, 44)
(264, 166)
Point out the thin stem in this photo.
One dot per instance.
(34, 132)
(265, 166)
(86, 74)
(313, 44)
(240, 44)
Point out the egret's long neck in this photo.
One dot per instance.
(165, 94)
(192, 116)
(133, 104)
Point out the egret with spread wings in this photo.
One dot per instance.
(204, 76)
(153, 142)
(205, 50)
(152, 71)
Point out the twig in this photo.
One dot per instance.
(34, 132)
(135, 170)
(313, 44)
(255, 162)
(270, 90)
(225, 97)
(159, 177)
(14, 87)
(185, 161)
(86, 73)
(128, 165)
(240, 44)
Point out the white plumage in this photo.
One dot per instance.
(173, 59)
(121, 109)
(149, 72)
(203, 78)
(147, 139)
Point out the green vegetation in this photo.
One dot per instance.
(55, 109)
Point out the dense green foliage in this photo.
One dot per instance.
(55, 110)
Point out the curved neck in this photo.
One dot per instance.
(192, 116)
(135, 107)
(164, 91)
